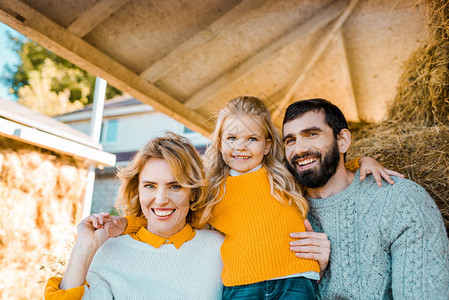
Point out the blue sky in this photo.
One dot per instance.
(7, 56)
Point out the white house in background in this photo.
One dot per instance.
(127, 126)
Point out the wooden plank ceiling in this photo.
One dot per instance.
(188, 58)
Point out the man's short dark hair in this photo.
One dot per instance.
(333, 116)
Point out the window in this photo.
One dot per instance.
(109, 130)
(187, 130)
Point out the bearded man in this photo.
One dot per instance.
(387, 242)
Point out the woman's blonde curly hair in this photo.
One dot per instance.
(185, 164)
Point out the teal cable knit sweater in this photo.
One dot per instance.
(387, 242)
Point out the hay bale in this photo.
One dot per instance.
(421, 153)
(423, 91)
(42, 195)
(423, 88)
(415, 138)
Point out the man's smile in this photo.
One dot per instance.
(307, 162)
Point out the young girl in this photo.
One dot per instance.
(256, 204)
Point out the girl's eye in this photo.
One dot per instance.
(252, 139)
(149, 186)
(231, 138)
(175, 187)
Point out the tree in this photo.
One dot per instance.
(48, 83)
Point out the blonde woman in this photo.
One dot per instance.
(167, 259)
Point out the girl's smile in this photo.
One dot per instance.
(243, 143)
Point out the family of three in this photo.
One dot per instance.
(372, 240)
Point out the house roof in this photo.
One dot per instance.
(21, 123)
(117, 106)
(187, 58)
(116, 102)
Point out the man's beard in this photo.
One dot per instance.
(315, 178)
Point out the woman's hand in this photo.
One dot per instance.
(369, 165)
(312, 245)
(114, 225)
(93, 231)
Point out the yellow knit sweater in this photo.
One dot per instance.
(257, 228)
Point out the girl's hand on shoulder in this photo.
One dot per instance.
(369, 165)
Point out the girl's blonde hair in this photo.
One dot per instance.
(184, 162)
(283, 184)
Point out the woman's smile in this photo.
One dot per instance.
(164, 201)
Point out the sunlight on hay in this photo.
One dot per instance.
(421, 153)
(423, 89)
(41, 202)
(415, 139)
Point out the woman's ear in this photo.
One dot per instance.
(344, 140)
(267, 147)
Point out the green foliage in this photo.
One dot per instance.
(76, 84)
(114, 212)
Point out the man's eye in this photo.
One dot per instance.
(312, 134)
(289, 141)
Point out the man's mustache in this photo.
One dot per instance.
(297, 157)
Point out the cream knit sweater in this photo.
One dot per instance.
(124, 268)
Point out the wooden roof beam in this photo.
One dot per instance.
(320, 47)
(44, 31)
(174, 58)
(102, 10)
(317, 21)
(353, 114)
